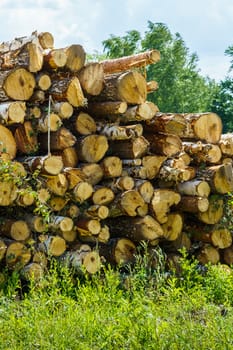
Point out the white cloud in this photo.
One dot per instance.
(205, 26)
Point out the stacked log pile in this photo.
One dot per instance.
(90, 167)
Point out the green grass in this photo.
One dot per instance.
(140, 308)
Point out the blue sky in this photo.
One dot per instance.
(205, 25)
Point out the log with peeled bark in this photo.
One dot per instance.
(135, 228)
(7, 142)
(161, 203)
(17, 230)
(219, 177)
(129, 87)
(118, 251)
(76, 57)
(84, 124)
(112, 166)
(217, 235)
(54, 59)
(172, 228)
(131, 148)
(205, 153)
(26, 53)
(193, 204)
(17, 254)
(92, 148)
(215, 211)
(106, 108)
(129, 203)
(208, 254)
(164, 144)
(12, 112)
(67, 89)
(139, 60)
(91, 78)
(58, 140)
(120, 132)
(194, 187)
(17, 84)
(53, 246)
(25, 136)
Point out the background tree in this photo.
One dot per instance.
(223, 99)
(181, 87)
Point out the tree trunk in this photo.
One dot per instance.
(91, 78)
(17, 84)
(172, 228)
(106, 108)
(112, 166)
(85, 124)
(7, 142)
(76, 57)
(129, 87)
(54, 59)
(119, 251)
(92, 148)
(214, 212)
(47, 165)
(164, 144)
(58, 140)
(194, 188)
(208, 254)
(130, 62)
(53, 246)
(162, 201)
(140, 112)
(12, 112)
(219, 177)
(17, 255)
(127, 203)
(102, 195)
(119, 132)
(15, 229)
(26, 138)
(135, 228)
(67, 89)
(205, 153)
(193, 204)
(131, 148)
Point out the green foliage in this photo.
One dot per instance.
(223, 103)
(181, 87)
